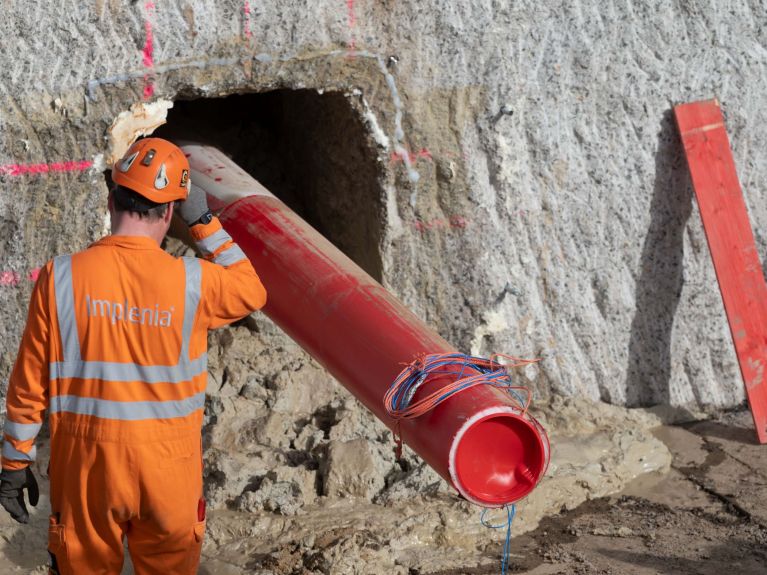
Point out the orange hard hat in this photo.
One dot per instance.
(154, 168)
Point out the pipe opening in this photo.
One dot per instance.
(311, 150)
(498, 458)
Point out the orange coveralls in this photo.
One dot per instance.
(115, 348)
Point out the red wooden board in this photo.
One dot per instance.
(731, 242)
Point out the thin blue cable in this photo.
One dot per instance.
(511, 511)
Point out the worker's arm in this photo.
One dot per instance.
(231, 287)
(27, 397)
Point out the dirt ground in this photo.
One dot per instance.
(708, 516)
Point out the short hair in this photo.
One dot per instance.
(126, 200)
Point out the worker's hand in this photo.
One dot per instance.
(194, 207)
(12, 484)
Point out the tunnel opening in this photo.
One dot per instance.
(311, 150)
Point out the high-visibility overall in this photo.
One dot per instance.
(115, 348)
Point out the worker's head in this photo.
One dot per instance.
(151, 176)
(155, 169)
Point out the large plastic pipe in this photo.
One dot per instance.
(478, 440)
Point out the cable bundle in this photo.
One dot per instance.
(398, 398)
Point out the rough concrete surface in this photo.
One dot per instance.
(509, 169)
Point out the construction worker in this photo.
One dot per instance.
(115, 350)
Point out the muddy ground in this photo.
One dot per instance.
(707, 516)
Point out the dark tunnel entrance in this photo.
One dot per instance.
(311, 150)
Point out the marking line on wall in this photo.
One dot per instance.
(34, 169)
(351, 20)
(247, 22)
(12, 278)
(148, 50)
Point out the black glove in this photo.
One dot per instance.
(12, 484)
(194, 207)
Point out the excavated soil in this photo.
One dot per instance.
(708, 516)
(705, 514)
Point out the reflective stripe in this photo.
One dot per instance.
(229, 256)
(209, 245)
(65, 307)
(10, 452)
(193, 271)
(21, 431)
(127, 410)
(111, 371)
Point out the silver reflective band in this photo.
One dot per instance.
(21, 431)
(209, 245)
(193, 290)
(9, 452)
(111, 371)
(127, 410)
(65, 307)
(230, 256)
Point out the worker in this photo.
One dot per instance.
(115, 349)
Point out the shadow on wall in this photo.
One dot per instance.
(659, 285)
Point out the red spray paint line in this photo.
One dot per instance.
(25, 169)
(423, 153)
(352, 21)
(148, 50)
(454, 222)
(13, 279)
(246, 20)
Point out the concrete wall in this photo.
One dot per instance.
(552, 214)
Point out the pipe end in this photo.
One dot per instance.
(498, 457)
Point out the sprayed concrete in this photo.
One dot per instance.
(546, 130)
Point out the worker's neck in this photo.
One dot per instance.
(126, 224)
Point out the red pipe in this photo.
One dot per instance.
(478, 440)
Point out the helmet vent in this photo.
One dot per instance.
(161, 181)
(128, 162)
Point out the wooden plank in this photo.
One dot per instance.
(731, 242)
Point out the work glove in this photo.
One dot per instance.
(194, 207)
(12, 484)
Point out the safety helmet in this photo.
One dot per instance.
(154, 168)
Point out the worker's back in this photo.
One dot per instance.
(129, 302)
(130, 354)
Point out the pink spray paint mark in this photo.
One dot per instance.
(148, 50)
(12, 278)
(246, 20)
(24, 169)
(351, 17)
(454, 222)
(423, 153)
(9, 278)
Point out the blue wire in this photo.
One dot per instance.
(417, 373)
(511, 511)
